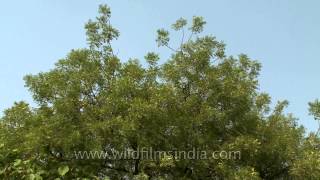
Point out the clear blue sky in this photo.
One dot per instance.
(282, 34)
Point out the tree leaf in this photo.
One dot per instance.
(17, 162)
(63, 170)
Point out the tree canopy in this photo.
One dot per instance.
(200, 98)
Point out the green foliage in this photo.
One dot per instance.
(163, 37)
(315, 109)
(198, 99)
(180, 23)
(307, 166)
(63, 170)
(152, 58)
(197, 24)
(141, 176)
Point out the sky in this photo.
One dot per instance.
(283, 35)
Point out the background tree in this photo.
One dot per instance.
(198, 99)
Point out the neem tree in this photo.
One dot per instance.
(199, 98)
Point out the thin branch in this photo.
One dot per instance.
(171, 48)
(182, 39)
(191, 35)
(109, 42)
(318, 131)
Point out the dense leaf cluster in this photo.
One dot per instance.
(198, 99)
